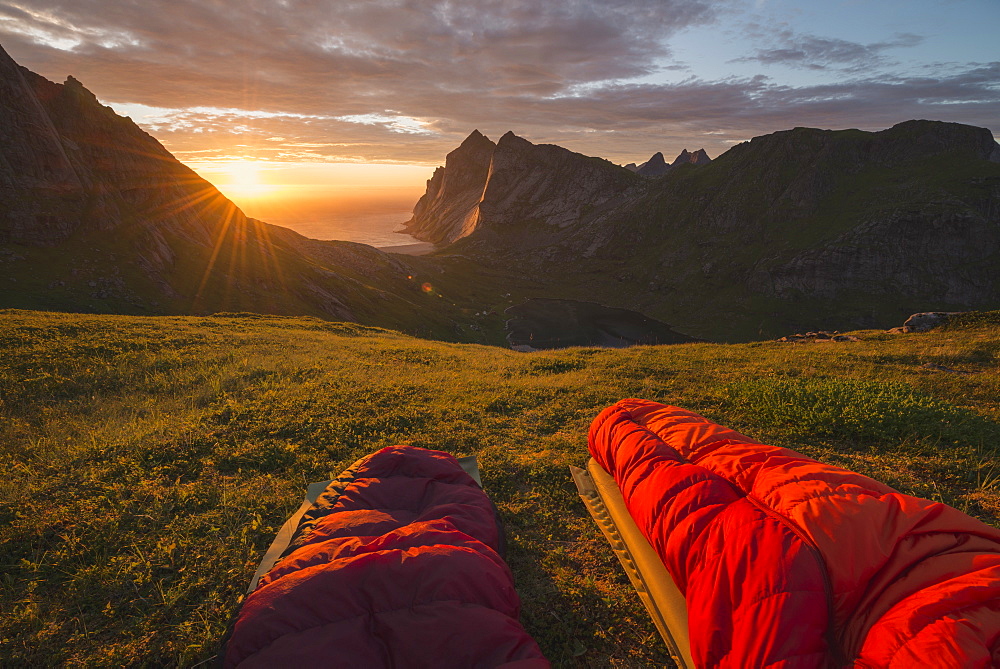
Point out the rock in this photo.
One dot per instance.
(656, 165)
(941, 368)
(821, 336)
(928, 320)
(485, 188)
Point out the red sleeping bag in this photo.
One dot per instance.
(788, 562)
(396, 565)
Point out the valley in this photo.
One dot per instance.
(797, 230)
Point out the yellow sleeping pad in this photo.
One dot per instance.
(649, 577)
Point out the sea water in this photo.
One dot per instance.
(377, 230)
(373, 223)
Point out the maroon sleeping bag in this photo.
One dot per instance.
(396, 565)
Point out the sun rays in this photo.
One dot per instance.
(243, 181)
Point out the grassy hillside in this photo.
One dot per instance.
(151, 460)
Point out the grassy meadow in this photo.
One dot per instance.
(148, 461)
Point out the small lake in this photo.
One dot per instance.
(542, 323)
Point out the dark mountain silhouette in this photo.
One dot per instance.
(654, 167)
(699, 157)
(657, 166)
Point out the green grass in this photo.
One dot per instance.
(151, 460)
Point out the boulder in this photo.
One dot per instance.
(927, 320)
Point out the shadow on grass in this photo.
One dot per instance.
(576, 600)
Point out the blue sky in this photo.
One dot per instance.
(955, 33)
(404, 81)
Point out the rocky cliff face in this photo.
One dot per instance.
(485, 188)
(546, 184)
(40, 192)
(449, 210)
(950, 256)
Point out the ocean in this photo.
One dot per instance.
(360, 220)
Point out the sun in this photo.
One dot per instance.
(243, 180)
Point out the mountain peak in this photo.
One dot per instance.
(490, 189)
(476, 138)
(699, 157)
(447, 210)
(73, 86)
(512, 142)
(653, 167)
(509, 137)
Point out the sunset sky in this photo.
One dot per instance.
(388, 87)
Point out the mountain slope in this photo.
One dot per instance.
(799, 229)
(97, 216)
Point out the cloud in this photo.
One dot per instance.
(407, 80)
(623, 122)
(366, 70)
(394, 123)
(52, 30)
(820, 53)
(335, 48)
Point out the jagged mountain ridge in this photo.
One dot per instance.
(657, 166)
(484, 186)
(97, 216)
(801, 228)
